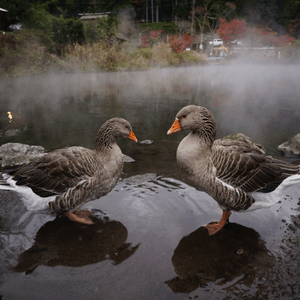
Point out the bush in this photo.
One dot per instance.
(154, 38)
(66, 31)
(145, 52)
(179, 45)
(24, 53)
(40, 20)
(291, 53)
(168, 28)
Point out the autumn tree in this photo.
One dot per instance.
(152, 38)
(201, 13)
(179, 45)
(229, 31)
(271, 38)
(208, 13)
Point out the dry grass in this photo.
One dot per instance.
(96, 57)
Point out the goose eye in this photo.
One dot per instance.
(183, 117)
(127, 127)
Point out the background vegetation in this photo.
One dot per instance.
(53, 37)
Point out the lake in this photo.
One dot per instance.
(148, 241)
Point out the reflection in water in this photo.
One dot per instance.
(63, 242)
(237, 252)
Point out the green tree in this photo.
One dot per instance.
(67, 31)
(108, 28)
(17, 9)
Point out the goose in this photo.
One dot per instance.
(237, 175)
(64, 179)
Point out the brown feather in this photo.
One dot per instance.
(241, 164)
(76, 174)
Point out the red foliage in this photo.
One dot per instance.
(229, 31)
(188, 39)
(273, 39)
(149, 41)
(284, 40)
(179, 45)
(155, 33)
(236, 29)
(144, 41)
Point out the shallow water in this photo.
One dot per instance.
(147, 241)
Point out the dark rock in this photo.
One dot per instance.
(291, 147)
(15, 154)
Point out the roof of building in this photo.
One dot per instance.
(92, 16)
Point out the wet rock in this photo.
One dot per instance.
(127, 158)
(243, 138)
(12, 132)
(291, 147)
(15, 154)
(146, 142)
(138, 179)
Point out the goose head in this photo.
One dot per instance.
(121, 128)
(112, 128)
(198, 119)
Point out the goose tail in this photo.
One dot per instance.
(264, 200)
(32, 201)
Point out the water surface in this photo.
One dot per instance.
(148, 241)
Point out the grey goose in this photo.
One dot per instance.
(235, 174)
(64, 179)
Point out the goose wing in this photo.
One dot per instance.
(248, 168)
(57, 171)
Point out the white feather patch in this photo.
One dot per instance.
(263, 200)
(32, 201)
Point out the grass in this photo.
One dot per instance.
(19, 56)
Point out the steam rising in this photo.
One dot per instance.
(261, 101)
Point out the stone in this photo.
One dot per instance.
(291, 147)
(146, 142)
(127, 158)
(16, 154)
(139, 179)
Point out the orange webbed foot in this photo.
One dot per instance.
(214, 228)
(80, 216)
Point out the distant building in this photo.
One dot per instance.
(92, 17)
(3, 19)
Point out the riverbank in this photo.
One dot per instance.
(97, 57)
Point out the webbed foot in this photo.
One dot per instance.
(80, 216)
(214, 228)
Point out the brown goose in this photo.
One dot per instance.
(65, 179)
(239, 177)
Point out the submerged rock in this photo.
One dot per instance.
(291, 147)
(127, 158)
(16, 154)
(146, 142)
(139, 179)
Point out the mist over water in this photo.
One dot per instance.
(260, 101)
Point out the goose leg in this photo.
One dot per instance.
(80, 216)
(214, 228)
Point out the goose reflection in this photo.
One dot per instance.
(67, 243)
(237, 252)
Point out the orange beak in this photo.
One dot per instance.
(132, 136)
(175, 127)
